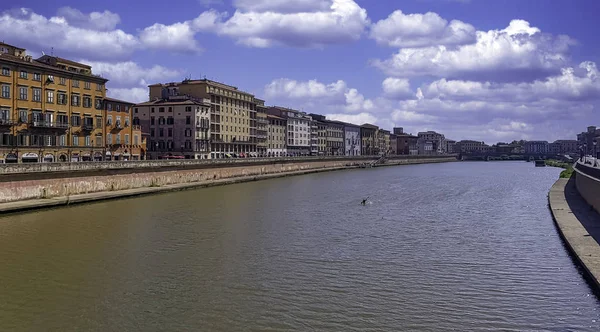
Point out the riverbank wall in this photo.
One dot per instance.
(577, 224)
(25, 186)
(587, 180)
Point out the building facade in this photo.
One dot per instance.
(124, 139)
(393, 148)
(276, 136)
(352, 143)
(470, 146)
(369, 139)
(51, 109)
(232, 114)
(319, 121)
(298, 130)
(335, 138)
(178, 127)
(437, 140)
(540, 147)
(262, 125)
(384, 141)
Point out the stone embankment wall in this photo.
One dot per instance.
(587, 180)
(63, 180)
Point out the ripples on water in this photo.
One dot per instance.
(461, 246)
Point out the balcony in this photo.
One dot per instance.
(49, 125)
(7, 122)
(87, 126)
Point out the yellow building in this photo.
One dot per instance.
(233, 113)
(276, 136)
(51, 109)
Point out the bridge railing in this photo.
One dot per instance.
(588, 169)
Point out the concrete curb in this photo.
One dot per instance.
(584, 248)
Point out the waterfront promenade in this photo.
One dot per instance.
(579, 226)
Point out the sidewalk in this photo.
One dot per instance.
(578, 225)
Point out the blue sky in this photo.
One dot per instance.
(471, 69)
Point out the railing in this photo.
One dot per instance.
(48, 124)
(7, 122)
(136, 127)
(87, 126)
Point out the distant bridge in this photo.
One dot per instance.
(510, 156)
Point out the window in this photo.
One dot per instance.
(109, 120)
(23, 74)
(188, 120)
(87, 101)
(136, 140)
(135, 110)
(118, 108)
(75, 83)
(188, 108)
(75, 140)
(109, 107)
(170, 120)
(152, 110)
(170, 132)
(161, 132)
(62, 98)
(87, 85)
(126, 139)
(109, 139)
(88, 141)
(37, 76)
(126, 121)
(37, 94)
(118, 139)
(50, 96)
(152, 121)
(99, 140)
(23, 93)
(161, 109)
(98, 87)
(152, 132)
(6, 91)
(51, 78)
(170, 109)
(5, 71)
(98, 121)
(62, 140)
(98, 103)
(75, 120)
(4, 114)
(75, 100)
(62, 81)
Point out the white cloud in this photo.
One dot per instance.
(134, 95)
(357, 119)
(397, 88)
(128, 73)
(518, 52)
(101, 21)
(283, 6)
(32, 30)
(573, 84)
(344, 21)
(180, 36)
(421, 30)
(335, 95)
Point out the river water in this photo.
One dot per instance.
(459, 246)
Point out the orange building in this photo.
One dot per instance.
(124, 139)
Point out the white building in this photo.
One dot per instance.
(298, 130)
(351, 140)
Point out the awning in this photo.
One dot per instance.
(108, 153)
(29, 155)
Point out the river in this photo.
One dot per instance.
(458, 246)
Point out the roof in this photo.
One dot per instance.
(161, 102)
(67, 61)
(41, 65)
(202, 81)
(369, 126)
(118, 101)
(275, 117)
(13, 46)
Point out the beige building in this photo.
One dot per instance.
(384, 141)
(51, 109)
(276, 136)
(369, 139)
(178, 127)
(232, 114)
(335, 138)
